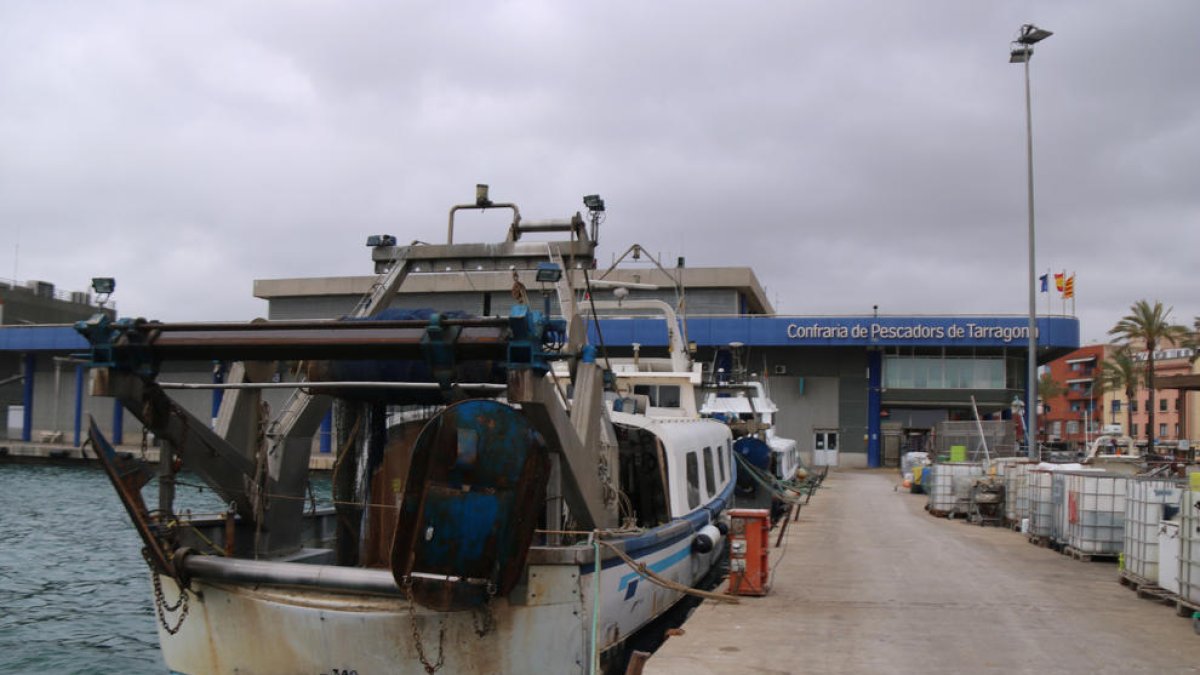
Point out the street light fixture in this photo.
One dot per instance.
(1022, 52)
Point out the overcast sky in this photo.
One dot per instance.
(852, 153)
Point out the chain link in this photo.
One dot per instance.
(162, 607)
(430, 668)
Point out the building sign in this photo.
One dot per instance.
(852, 331)
(876, 332)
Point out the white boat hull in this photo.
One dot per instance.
(544, 626)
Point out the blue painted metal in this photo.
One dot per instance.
(874, 405)
(41, 339)
(27, 398)
(476, 483)
(437, 344)
(534, 339)
(103, 334)
(761, 331)
(219, 372)
(78, 404)
(326, 442)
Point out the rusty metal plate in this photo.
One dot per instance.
(475, 488)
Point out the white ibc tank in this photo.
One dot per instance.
(945, 485)
(1189, 548)
(1095, 512)
(1016, 491)
(1148, 502)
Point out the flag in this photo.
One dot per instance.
(1045, 279)
(1059, 281)
(1069, 287)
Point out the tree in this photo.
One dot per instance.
(1148, 326)
(1049, 388)
(1119, 372)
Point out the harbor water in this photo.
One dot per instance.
(74, 591)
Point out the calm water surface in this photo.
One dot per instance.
(74, 591)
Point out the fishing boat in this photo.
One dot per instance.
(490, 515)
(744, 403)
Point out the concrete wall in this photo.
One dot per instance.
(834, 396)
(699, 302)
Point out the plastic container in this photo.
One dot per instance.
(1039, 483)
(1189, 548)
(1169, 548)
(1094, 512)
(948, 486)
(1148, 502)
(1016, 490)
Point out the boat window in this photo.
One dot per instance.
(660, 395)
(693, 481)
(710, 479)
(721, 463)
(642, 478)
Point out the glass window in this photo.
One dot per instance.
(1162, 405)
(1133, 405)
(1133, 430)
(1162, 429)
(693, 481)
(1056, 428)
(1072, 427)
(710, 479)
(721, 460)
(668, 396)
(1176, 431)
(1116, 406)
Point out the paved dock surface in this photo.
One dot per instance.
(868, 582)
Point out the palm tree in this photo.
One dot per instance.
(1119, 372)
(1147, 325)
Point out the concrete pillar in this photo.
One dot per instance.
(78, 403)
(874, 401)
(27, 397)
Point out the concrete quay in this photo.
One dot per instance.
(867, 582)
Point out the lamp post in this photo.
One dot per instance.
(1022, 52)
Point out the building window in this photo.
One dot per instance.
(1162, 405)
(1176, 431)
(1133, 405)
(1076, 406)
(1162, 430)
(1056, 428)
(1072, 427)
(1116, 406)
(906, 372)
(1133, 430)
(1178, 404)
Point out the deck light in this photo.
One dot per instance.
(548, 273)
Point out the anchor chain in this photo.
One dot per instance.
(482, 617)
(162, 607)
(430, 668)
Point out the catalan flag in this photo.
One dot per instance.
(1060, 279)
(1069, 287)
